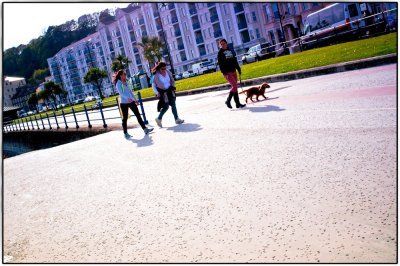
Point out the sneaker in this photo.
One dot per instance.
(158, 121)
(179, 121)
(148, 130)
(127, 136)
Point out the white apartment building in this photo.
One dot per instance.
(10, 85)
(69, 66)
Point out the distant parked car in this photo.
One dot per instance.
(178, 76)
(259, 52)
(79, 101)
(188, 74)
(96, 105)
(89, 99)
(31, 112)
(204, 67)
(61, 105)
(22, 114)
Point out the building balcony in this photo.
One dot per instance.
(217, 34)
(199, 40)
(174, 20)
(178, 33)
(192, 11)
(214, 18)
(171, 6)
(196, 25)
(242, 25)
(238, 7)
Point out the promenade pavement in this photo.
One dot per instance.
(308, 175)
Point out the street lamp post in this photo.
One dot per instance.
(164, 38)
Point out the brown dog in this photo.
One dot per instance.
(258, 91)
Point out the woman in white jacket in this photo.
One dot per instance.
(164, 87)
(128, 100)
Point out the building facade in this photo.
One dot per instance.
(10, 86)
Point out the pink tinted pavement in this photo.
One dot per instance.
(307, 176)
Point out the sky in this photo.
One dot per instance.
(23, 22)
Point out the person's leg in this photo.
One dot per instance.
(135, 110)
(124, 109)
(164, 109)
(232, 80)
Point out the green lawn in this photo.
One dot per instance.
(344, 52)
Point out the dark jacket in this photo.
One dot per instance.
(227, 61)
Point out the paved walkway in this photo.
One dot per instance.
(308, 175)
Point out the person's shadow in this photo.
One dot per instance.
(185, 127)
(268, 108)
(143, 142)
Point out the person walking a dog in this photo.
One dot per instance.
(228, 65)
(164, 87)
(128, 100)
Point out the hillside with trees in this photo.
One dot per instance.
(30, 61)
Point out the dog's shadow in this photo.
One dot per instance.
(262, 100)
(185, 127)
(143, 142)
(268, 108)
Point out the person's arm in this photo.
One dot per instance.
(153, 86)
(221, 62)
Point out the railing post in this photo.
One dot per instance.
(76, 122)
(87, 115)
(65, 121)
(27, 124)
(55, 117)
(102, 115)
(41, 119)
(33, 127)
(142, 108)
(19, 125)
(48, 119)
(22, 120)
(37, 123)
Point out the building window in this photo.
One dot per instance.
(205, 33)
(275, 10)
(186, 26)
(288, 9)
(253, 15)
(272, 36)
(231, 38)
(305, 6)
(296, 8)
(188, 39)
(192, 53)
(258, 34)
(228, 23)
(251, 35)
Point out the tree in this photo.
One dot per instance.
(121, 63)
(40, 74)
(33, 100)
(152, 49)
(51, 90)
(96, 76)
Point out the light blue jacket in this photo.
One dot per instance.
(125, 91)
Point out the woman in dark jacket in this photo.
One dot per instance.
(228, 65)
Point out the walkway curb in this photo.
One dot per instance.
(336, 68)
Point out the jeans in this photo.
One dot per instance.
(135, 110)
(231, 77)
(166, 107)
